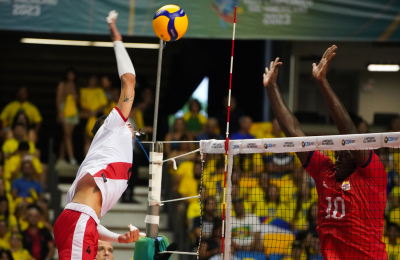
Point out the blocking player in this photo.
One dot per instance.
(103, 175)
(351, 191)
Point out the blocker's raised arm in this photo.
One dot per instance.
(287, 121)
(337, 110)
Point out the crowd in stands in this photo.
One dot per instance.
(25, 228)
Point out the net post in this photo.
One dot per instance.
(153, 210)
(158, 83)
(228, 228)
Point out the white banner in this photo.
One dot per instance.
(304, 144)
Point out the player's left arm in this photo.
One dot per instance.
(125, 68)
(337, 110)
(128, 237)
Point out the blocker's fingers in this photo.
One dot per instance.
(271, 65)
(276, 60)
(314, 64)
(266, 71)
(326, 53)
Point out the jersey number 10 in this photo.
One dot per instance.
(335, 203)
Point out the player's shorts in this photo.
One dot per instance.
(75, 233)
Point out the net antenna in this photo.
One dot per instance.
(227, 140)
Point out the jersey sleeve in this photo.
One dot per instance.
(115, 119)
(373, 168)
(317, 164)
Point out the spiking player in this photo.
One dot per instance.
(351, 191)
(103, 175)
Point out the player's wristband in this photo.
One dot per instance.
(107, 235)
(124, 63)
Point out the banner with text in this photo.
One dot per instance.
(372, 20)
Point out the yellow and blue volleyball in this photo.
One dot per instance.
(170, 23)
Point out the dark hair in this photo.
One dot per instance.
(21, 112)
(23, 146)
(98, 124)
(195, 101)
(64, 78)
(7, 213)
(34, 206)
(7, 252)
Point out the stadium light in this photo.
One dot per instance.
(384, 67)
(89, 43)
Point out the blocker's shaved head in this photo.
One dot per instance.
(105, 251)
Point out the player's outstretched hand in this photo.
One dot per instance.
(112, 19)
(271, 74)
(319, 71)
(131, 236)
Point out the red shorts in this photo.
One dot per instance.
(76, 235)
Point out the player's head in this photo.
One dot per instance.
(27, 168)
(100, 121)
(238, 207)
(345, 164)
(22, 94)
(105, 251)
(245, 123)
(19, 131)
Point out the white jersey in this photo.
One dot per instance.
(109, 160)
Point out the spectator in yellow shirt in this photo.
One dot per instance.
(12, 167)
(17, 251)
(5, 214)
(68, 115)
(4, 235)
(8, 114)
(93, 101)
(194, 119)
(19, 135)
(392, 243)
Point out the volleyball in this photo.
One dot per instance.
(170, 23)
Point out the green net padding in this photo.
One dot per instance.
(145, 248)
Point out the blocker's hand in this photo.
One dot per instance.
(319, 71)
(271, 74)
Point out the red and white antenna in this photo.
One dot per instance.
(227, 141)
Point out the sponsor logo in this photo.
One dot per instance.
(327, 142)
(369, 140)
(235, 146)
(251, 145)
(390, 139)
(344, 142)
(266, 146)
(288, 144)
(304, 144)
(324, 184)
(346, 185)
(217, 146)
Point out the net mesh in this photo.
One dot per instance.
(341, 203)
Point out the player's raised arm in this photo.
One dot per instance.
(125, 68)
(287, 121)
(337, 110)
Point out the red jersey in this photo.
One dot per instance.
(350, 213)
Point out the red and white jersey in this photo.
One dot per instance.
(109, 160)
(350, 213)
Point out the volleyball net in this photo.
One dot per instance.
(272, 204)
